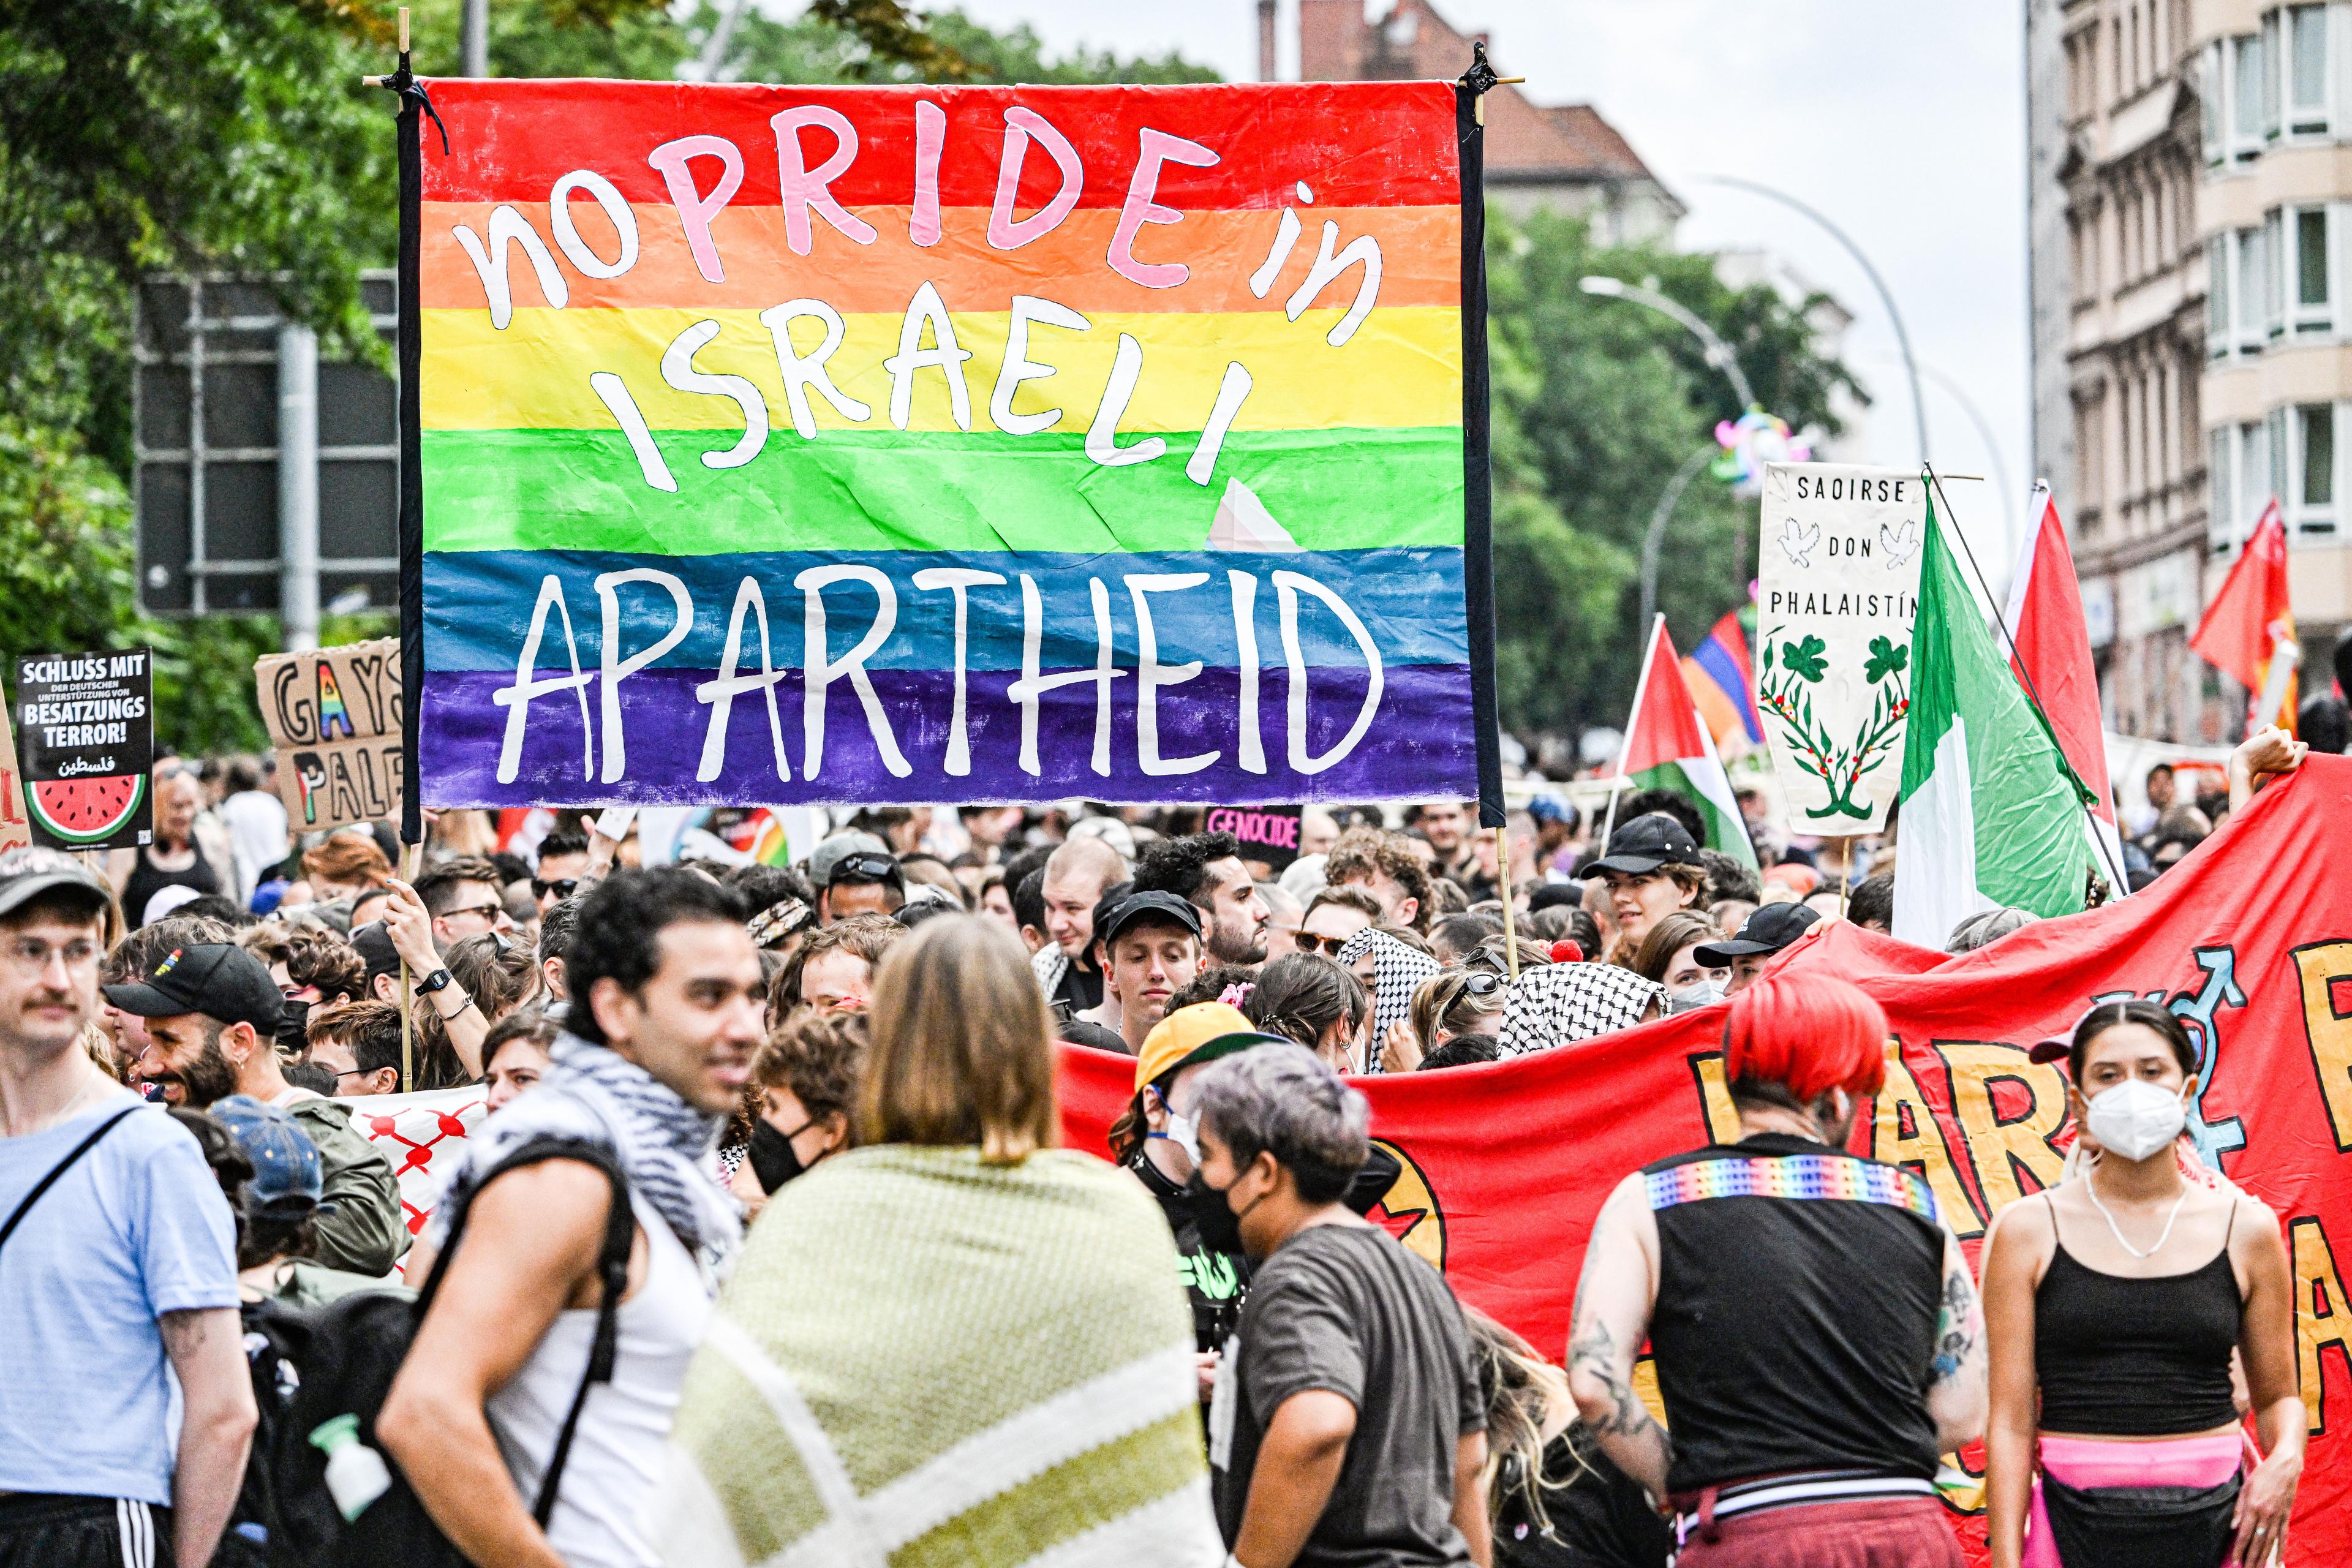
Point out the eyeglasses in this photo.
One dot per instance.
(563, 887)
(487, 912)
(1479, 982)
(1489, 957)
(1328, 946)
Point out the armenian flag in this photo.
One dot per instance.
(920, 444)
(1722, 682)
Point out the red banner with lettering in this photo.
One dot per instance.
(2249, 940)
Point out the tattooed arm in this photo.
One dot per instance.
(1957, 1394)
(1613, 1302)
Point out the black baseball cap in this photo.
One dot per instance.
(1769, 929)
(28, 873)
(1646, 843)
(1166, 908)
(373, 941)
(218, 979)
(866, 866)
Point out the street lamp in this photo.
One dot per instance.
(1902, 336)
(1719, 353)
(1654, 536)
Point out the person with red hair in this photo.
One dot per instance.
(1818, 1337)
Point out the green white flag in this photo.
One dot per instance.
(1990, 816)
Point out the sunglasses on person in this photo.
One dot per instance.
(865, 868)
(561, 887)
(1328, 946)
(487, 912)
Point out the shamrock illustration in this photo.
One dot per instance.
(1806, 659)
(1885, 660)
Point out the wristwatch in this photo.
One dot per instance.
(438, 981)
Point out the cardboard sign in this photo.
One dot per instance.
(1269, 833)
(1838, 588)
(89, 729)
(14, 831)
(336, 718)
(1117, 450)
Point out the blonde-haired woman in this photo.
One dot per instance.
(889, 1360)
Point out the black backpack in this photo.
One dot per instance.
(346, 1355)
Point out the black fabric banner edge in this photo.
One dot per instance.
(1477, 497)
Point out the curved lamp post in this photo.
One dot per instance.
(1902, 335)
(1656, 534)
(1719, 353)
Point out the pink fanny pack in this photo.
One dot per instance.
(2086, 1464)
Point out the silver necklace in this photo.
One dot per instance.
(2091, 1185)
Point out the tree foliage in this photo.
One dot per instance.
(1597, 404)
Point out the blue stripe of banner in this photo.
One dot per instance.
(479, 605)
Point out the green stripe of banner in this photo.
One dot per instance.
(584, 489)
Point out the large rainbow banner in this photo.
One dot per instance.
(790, 445)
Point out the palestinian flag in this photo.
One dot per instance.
(1667, 747)
(1992, 817)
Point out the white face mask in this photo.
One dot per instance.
(2136, 1119)
(1182, 1132)
(1705, 993)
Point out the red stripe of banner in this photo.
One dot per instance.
(1354, 143)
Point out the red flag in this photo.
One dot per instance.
(2050, 649)
(2250, 624)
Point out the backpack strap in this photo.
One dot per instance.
(612, 1277)
(41, 1187)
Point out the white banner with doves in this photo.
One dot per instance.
(1838, 587)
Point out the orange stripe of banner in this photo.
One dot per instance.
(1420, 260)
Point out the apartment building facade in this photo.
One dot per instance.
(2190, 224)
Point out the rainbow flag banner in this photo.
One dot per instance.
(799, 445)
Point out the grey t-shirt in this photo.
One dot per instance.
(1347, 1308)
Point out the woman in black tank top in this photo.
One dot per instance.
(2113, 1303)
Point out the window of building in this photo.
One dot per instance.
(2221, 489)
(2246, 76)
(2213, 83)
(2270, 76)
(2271, 271)
(2308, 69)
(2314, 308)
(2313, 508)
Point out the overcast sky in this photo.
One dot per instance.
(1905, 125)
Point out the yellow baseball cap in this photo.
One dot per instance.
(1201, 1033)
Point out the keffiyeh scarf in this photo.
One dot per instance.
(1398, 972)
(1557, 1004)
(594, 1095)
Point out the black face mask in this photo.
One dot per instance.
(1213, 1219)
(774, 1161)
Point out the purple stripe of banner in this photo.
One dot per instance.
(1420, 743)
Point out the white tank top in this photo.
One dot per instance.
(617, 1454)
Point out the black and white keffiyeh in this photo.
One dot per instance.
(1556, 1003)
(594, 1095)
(1398, 972)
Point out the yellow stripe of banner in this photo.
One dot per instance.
(1401, 368)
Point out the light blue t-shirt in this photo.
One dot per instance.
(137, 1229)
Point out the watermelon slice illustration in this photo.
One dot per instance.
(85, 811)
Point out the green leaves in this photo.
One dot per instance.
(1885, 660)
(1806, 658)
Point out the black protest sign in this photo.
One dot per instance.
(335, 718)
(86, 732)
(1269, 833)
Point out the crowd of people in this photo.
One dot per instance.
(766, 1245)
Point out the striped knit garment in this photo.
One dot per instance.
(924, 1361)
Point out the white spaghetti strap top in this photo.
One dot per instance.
(617, 1454)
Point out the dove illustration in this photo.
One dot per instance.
(1800, 544)
(1898, 543)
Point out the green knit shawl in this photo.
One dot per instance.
(922, 1360)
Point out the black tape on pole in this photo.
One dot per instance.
(1477, 510)
(413, 105)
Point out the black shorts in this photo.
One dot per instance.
(40, 1530)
